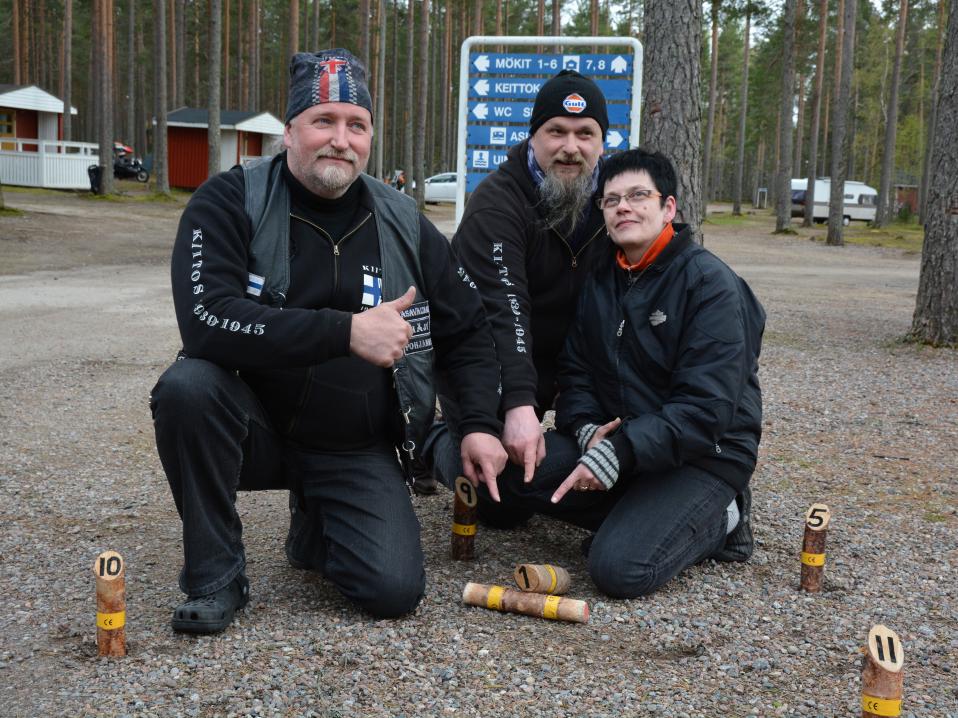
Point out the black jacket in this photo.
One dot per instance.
(528, 275)
(296, 358)
(674, 353)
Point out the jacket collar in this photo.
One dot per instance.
(680, 242)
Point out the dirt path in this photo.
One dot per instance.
(852, 417)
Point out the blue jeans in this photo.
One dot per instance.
(648, 528)
(357, 524)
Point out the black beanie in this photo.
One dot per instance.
(569, 94)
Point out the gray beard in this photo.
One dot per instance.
(565, 200)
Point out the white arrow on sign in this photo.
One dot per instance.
(614, 139)
(619, 65)
(482, 63)
(482, 87)
(480, 111)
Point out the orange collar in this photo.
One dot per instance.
(665, 236)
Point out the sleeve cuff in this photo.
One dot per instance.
(584, 435)
(602, 462)
(519, 398)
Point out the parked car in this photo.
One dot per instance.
(441, 187)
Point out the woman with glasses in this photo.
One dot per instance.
(659, 409)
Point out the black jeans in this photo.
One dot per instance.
(359, 527)
(649, 527)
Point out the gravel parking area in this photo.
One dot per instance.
(853, 418)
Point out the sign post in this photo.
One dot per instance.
(497, 92)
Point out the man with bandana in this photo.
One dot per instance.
(315, 304)
(530, 234)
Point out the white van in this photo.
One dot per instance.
(860, 200)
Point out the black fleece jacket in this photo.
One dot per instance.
(528, 275)
(296, 358)
(674, 353)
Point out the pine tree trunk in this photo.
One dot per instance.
(180, 44)
(143, 111)
(445, 92)
(422, 117)
(104, 10)
(160, 80)
(408, 144)
(936, 308)
(17, 54)
(671, 111)
(227, 96)
(783, 181)
(213, 132)
(129, 130)
(713, 94)
(364, 32)
(67, 69)
(932, 115)
(836, 201)
(886, 197)
(799, 125)
(743, 114)
(381, 92)
(816, 114)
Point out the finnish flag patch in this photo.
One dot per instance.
(372, 290)
(255, 285)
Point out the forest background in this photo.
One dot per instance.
(414, 64)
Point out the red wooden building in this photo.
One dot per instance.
(32, 153)
(243, 136)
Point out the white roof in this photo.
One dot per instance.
(31, 97)
(263, 122)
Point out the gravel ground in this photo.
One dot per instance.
(854, 418)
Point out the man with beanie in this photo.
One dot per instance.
(529, 236)
(314, 305)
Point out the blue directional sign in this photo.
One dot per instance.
(522, 112)
(501, 88)
(508, 135)
(508, 87)
(513, 64)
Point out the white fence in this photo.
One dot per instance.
(46, 163)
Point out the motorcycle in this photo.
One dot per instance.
(124, 167)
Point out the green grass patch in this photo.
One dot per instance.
(727, 219)
(935, 518)
(10, 212)
(907, 237)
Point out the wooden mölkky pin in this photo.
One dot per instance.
(509, 600)
(813, 547)
(464, 511)
(542, 578)
(882, 677)
(110, 604)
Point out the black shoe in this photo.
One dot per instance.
(214, 612)
(739, 544)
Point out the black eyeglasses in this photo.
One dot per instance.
(634, 198)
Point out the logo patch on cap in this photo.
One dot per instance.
(574, 103)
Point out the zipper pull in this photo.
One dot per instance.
(336, 249)
(406, 413)
(618, 332)
(575, 262)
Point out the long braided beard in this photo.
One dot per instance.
(565, 199)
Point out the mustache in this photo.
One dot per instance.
(571, 159)
(347, 154)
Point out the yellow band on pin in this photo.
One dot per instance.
(494, 599)
(551, 609)
(881, 706)
(111, 621)
(813, 559)
(554, 578)
(464, 529)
